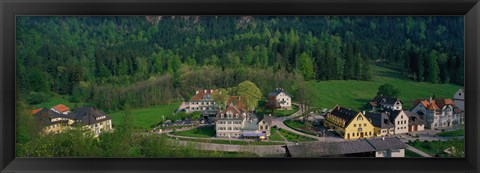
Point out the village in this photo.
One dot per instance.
(280, 127)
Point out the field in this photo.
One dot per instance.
(201, 132)
(146, 118)
(355, 94)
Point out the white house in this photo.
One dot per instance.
(459, 99)
(279, 99)
(438, 113)
(202, 102)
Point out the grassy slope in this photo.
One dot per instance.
(355, 94)
(146, 117)
(202, 132)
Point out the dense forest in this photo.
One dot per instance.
(142, 61)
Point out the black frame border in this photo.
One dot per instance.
(470, 9)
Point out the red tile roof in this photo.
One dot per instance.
(61, 108)
(201, 93)
(434, 104)
(237, 101)
(35, 111)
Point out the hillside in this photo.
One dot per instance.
(355, 94)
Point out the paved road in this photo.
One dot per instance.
(278, 121)
(417, 151)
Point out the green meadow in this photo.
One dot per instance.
(146, 118)
(355, 94)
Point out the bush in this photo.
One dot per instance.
(37, 97)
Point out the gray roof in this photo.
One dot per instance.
(267, 119)
(319, 149)
(88, 115)
(393, 114)
(45, 116)
(344, 113)
(278, 91)
(388, 144)
(385, 100)
(381, 120)
(414, 118)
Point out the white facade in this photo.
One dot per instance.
(443, 117)
(401, 123)
(391, 153)
(396, 106)
(459, 99)
(284, 101)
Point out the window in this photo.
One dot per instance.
(365, 124)
(354, 125)
(359, 119)
(353, 134)
(370, 133)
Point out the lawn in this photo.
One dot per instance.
(454, 133)
(282, 113)
(292, 137)
(274, 136)
(409, 153)
(201, 132)
(146, 118)
(437, 147)
(299, 126)
(278, 113)
(355, 94)
(232, 142)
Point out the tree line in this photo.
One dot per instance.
(77, 55)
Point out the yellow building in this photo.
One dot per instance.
(349, 124)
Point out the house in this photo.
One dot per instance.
(229, 122)
(400, 119)
(53, 122)
(383, 126)
(91, 118)
(373, 147)
(381, 102)
(279, 99)
(438, 113)
(415, 122)
(459, 99)
(203, 102)
(235, 122)
(349, 124)
(61, 109)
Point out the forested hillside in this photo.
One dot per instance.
(143, 61)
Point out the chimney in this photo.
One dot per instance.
(363, 112)
(430, 100)
(196, 92)
(211, 91)
(205, 91)
(269, 115)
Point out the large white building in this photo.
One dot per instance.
(235, 122)
(438, 113)
(202, 102)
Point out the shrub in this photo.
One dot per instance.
(37, 98)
